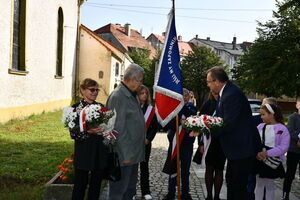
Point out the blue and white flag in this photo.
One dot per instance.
(168, 79)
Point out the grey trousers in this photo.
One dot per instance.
(125, 188)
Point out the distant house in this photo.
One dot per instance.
(37, 56)
(229, 52)
(125, 38)
(157, 42)
(101, 61)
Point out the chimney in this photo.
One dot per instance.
(234, 43)
(179, 38)
(208, 38)
(197, 36)
(163, 33)
(127, 29)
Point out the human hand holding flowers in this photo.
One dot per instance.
(202, 124)
(94, 119)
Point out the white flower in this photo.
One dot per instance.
(68, 115)
(109, 127)
(71, 125)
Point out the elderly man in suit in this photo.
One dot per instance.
(239, 138)
(130, 125)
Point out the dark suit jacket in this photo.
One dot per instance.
(239, 137)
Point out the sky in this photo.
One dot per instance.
(220, 20)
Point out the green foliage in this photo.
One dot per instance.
(30, 151)
(194, 67)
(271, 67)
(141, 57)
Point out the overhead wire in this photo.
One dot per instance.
(155, 13)
(178, 8)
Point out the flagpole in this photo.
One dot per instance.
(177, 142)
(178, 159)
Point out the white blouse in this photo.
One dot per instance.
(269, 136)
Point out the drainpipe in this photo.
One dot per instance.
(76, 82)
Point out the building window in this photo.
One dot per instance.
(19, 37)
(117, 70)
(60, 35)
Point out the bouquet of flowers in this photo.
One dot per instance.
(203, 123)
(91, 116)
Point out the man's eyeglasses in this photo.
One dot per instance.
(140, 81)
(210, 81)
(92, 90)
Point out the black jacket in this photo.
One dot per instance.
(90, 152)
(239, 137)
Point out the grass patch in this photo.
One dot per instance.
(30, 150)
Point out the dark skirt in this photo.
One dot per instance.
(91, 154)
(215, 156)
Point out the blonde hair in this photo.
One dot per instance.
(142, 87)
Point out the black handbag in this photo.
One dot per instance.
(113, 170)
(198, 157)
(271, 167)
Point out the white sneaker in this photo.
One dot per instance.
(147, 197)
(133, 198)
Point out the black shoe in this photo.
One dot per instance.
(169, 196)
(186, 197)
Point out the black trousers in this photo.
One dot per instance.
(237, 173)
(81, 181)
(293, 159)
(186, 151)
(144, 171)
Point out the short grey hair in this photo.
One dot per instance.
(132, 71)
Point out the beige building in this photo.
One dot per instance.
(37, 55)
(101, 61)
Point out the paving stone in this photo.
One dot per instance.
(159, 180)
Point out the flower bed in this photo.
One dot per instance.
(56, 190)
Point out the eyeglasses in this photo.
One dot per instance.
(140, 81)
(92, 90)
(210, 81)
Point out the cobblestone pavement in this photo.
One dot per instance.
(159, 180)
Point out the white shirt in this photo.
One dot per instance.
(221, 91)
(269, 136)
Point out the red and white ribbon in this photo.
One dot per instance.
(148, 116)
(82, 120)
(174, 144)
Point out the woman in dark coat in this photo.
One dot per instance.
(90, 152)
(151, 130)
(215, 158)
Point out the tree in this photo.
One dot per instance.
(194, 67)
(141, 57)
(271, 66)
